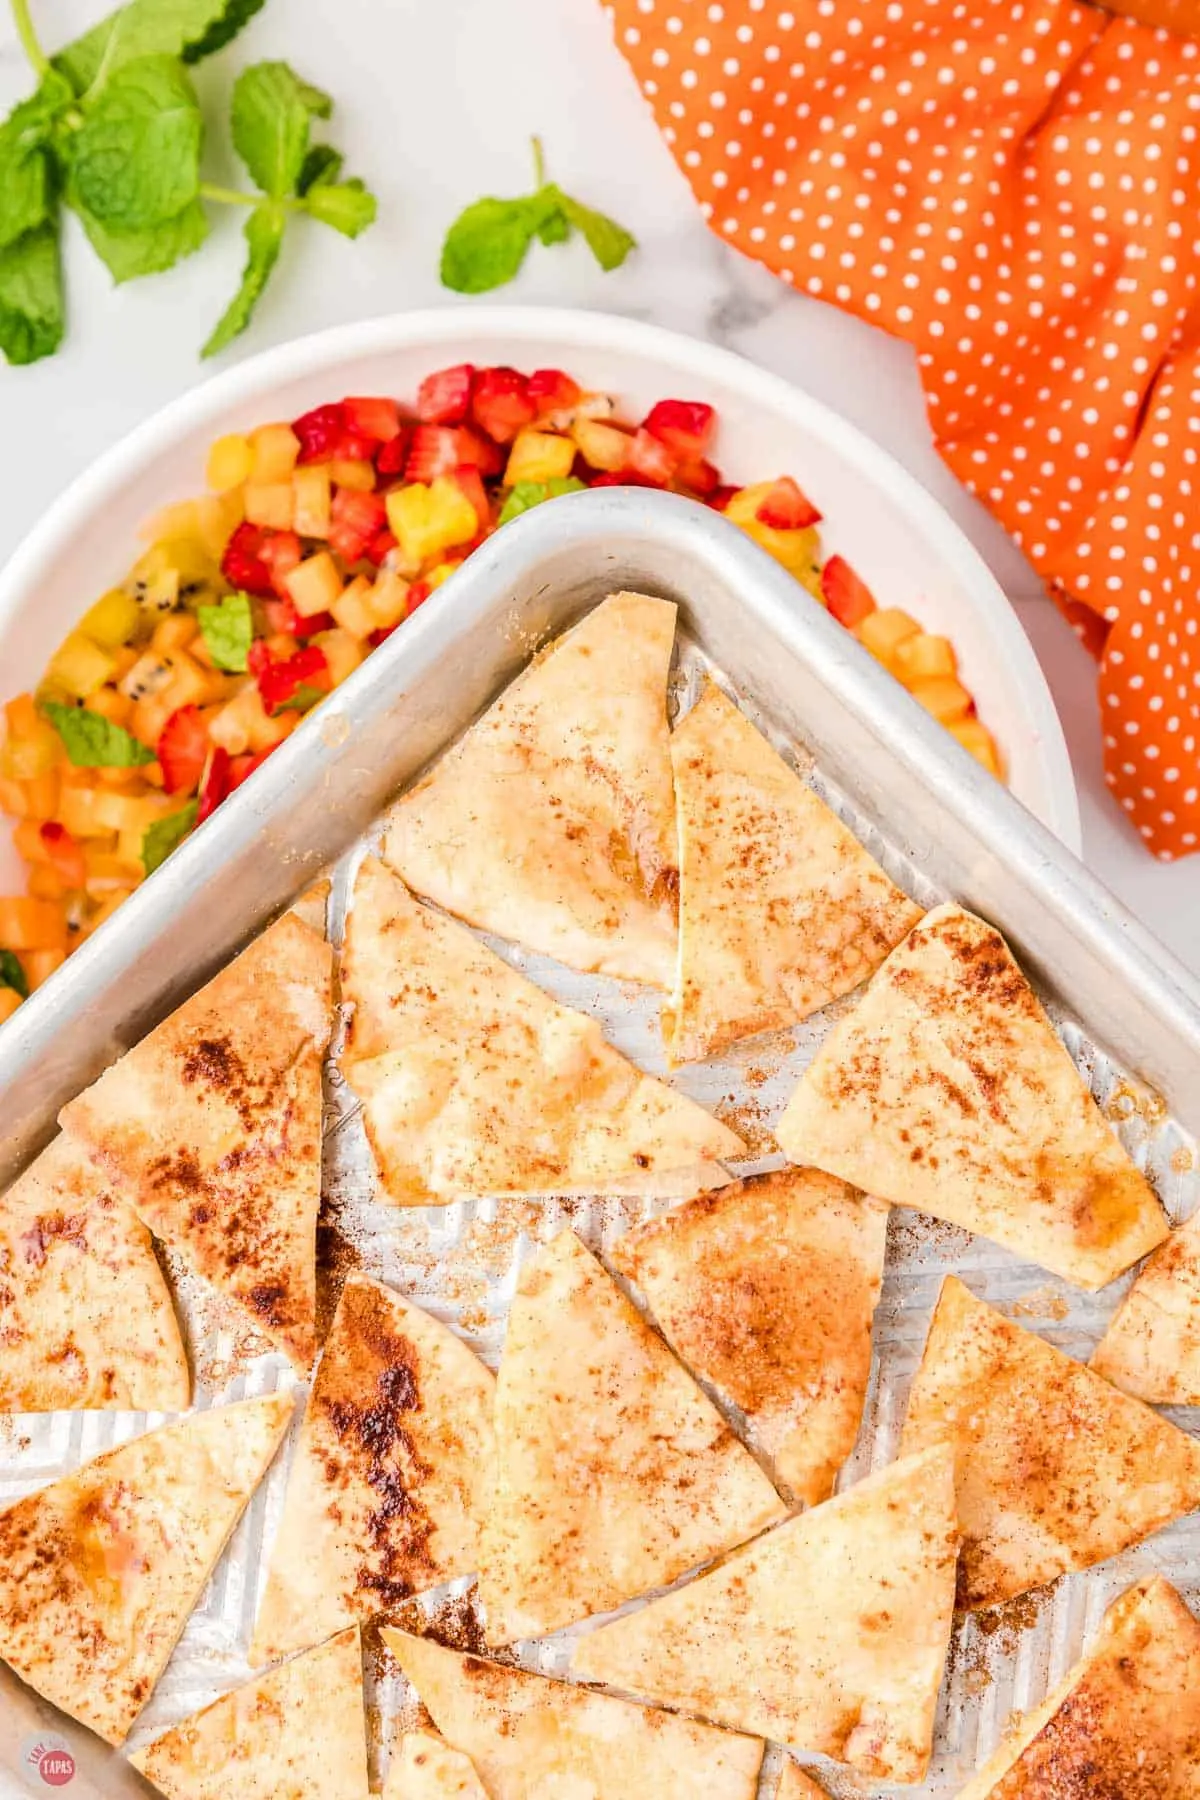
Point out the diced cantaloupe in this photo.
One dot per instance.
(539, 456)
(601, 446)
(174, 631)
(943, 696)
(9, 1002)
(314, 585)
(342, 651)
(389, 600)
(313, 494)
(39, 965)
(974, 736)
(349, 473)
(882, 631)
(352, 608)
(270, 503)
(922, 655)
(30, 924)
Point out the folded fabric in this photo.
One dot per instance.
(1014, 187)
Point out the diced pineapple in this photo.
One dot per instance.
(442, 572)
(180, 520)
(230, 461)
(232, 725)
(974, 736)
(77, 811)
(274, 449)
(109, 869)
(267, 730)
(311, 488)
(389, 600)
(111, 620)
(798, 550)
(943, 696)
(921, 656)
(79, 666)
(314, 585)
(352, 608)
(218, 517)
(429, 520)
(343, 652)
(270, 503)
(130, 812)
(603, 446)
(882, 631)
(539, 456)
(348, 473)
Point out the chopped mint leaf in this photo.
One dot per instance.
(272, 113)
(135, 159)
(12, 975)
(322, 164)
(27, 174)
(93, 742)
(228, 631)
(488, 242)
(531, 493)
(304, 698)
(264, 237)
(608, 242)
(165, 835)
(32, 308)
(348, 206)
(128, 254)
(190, 29)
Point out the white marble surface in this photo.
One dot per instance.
(436, 99)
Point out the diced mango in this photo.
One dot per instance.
(77, 810)
(539, 456)
(79, 666)
(106, 869)
(428, 520)
(111, 620)
(943, 696)
(112, 704)
(883, 630)
(603, 446)
(130, 812)
(442, 572)
(150, 715)
(42, 794)
(270, 503)
(178, 521)
(30, 924)
(39, 965)
(275, 449)
(343, 652)
(922, 656)
(345, 472)
(352, 608)
(230, 461)
(174, 631)
(312, 493)
(389, 600)
(314, 585)
(799, 551)
(116, 896)
(974, 736)
(231, 726)
(45, 883)
(9, 1002)
(267, 731)
(31, 745)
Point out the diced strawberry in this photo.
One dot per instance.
(281, 617)
(357, 517)
(65, 853)
(394, 454)
(278, 682)
(684, 426)
(378, 637)
(720, 497)
(552, 391)
(373, 417)
(315, 622)
(700, 477)
(620, 478)
(282, 551)
(216, 783)
(650, 458)
(440, 449)
(848, 598)
(241, 766)
(501, 403)
(474, 448)
(380, 546)
(444, 397)
(785, 508)
(326, 432)
(469, 480)
(243, 565)
(182, 750)
(418, 593)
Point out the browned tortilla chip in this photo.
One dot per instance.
(100, 1570)
(474, 1081)
(1125, 1722)
(553, 822)
(212, 1126)
(1152, 1345)
(424, 1767)
(614, 1472)
(947, 1089)
(1054, 1469)
(85, 1316)
(781, 910)
(767, 1288)
(533, 1739)
(829, 1633)
(388, 1481)
(794, 1784)
(296, 1733)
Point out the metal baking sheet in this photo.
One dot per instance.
(1129, 1015)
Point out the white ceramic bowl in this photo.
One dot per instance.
(894, 533)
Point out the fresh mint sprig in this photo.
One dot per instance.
(489, 240)
(115, 131)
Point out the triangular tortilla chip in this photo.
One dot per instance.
(533, 1739)
(781, 910)
(424, 1767)
(296, 1733)
(388, 1482)
(85, 1316)
(615, 1473)
(1055, 1470)
(947, 1089)
(1152, 1345)
(794, 1784)
(829, 1634)
(100, 1570)
(767, 1289)
(212, 1125)
(1124, 1723)
(474, 1081)
(553, 822)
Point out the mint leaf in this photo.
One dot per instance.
(487, 243)
(272, 113)
(531, 493)
(93, 742)
(127, 254)
(12, 975)
(32, 310)
(321, 164)
(608, 242)
(346, 205)
(554, 229)
(228, 630)
(187, 28)
(302, 700)
(135, 160)
(159, 839)
(264, 236)
(27, 176)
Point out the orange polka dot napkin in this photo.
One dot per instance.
(1013, 186)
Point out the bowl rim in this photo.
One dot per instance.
(583, 330)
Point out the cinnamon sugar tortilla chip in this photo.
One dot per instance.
(1055, 1469)
(794, 1784)
(947, 1089)
(614, 1472)
(424, 1767)
(474, 1081)
(553, 822)
(100, 1570)
(1152, 1346)
(212, 1126)
(388, 1481)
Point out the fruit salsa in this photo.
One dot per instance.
(316, 540)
